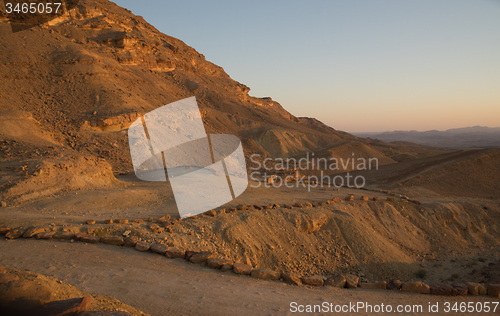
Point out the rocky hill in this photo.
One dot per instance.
(71, 88)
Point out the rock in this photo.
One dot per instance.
(265, 274)
(159, 248)
(241, 268)
(460, 288)
(108, 221)
(64, 235)
(351, 281)
(336, 281)
(164, 219)
(373, 286)
(315, 204)
(68, 307)
(90, 222)
(291, 278)
(112, 240)
(121, 221)
(90, 239)
(241, 207)
(211, 213)
(150, 219)
(315, 280)
(476, 288)
(142, 246)
(298, 205)
(3, 270)
(250, 207)
(391, 199)
(364, 198)
(4, 230)
(287, 206)
(350, 198)
(416, 287)
(130, 241)
(218, 263)
(22, 295)
(8, 277)
(337, 200)
(126, 233)
(258, 207)
(201, 257)
(494, 290)
(15, 233)
(174, 253)
(33, 231)
(47, 235)
(307, 204)
(3, 204)
(138, 221)
(443, 289)
(376, 199)
(189, 253)
(233, 209)
(80, 235)
(276, 206)
(268, 207)
(227, 267)
(394, 284)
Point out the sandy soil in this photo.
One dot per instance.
(160, 286)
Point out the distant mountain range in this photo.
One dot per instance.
(466, 137)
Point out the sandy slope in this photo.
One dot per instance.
(160, 286)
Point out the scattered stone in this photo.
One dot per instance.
(222, 211)
(291, 278)
(138, 221)
(130, 241)
(494, 290)
(47, 235)
(298, 205)
(250, 207)
(416, 287)
(64, 235)
(126, 233)
(322, 203)
(164, 219)
(33, 231)
(233, 209)
(276, 206)
(91, 222)
(142, 246)
(265, 274)
(241, 207)
(443, 289)
(154, 227)
(4, 204)
(108, 221)
(121, 221)
(201, 257)
(80, 235)
(394, 284)
(288, 206)
(373, 286)
(258, 207)
(174, 253)
(211, 213)
(112, 240)
(376, 199)
(65, 307)
(189, 253)
(90, 239)
(364, 198)
(227, 267)
(151, 219)
(159, 248)
(391, 199)
(4, 230)
(461, 289)
(268, 207)
(170, 230)
(241, 268)
(218, 263)
(337, 200)
(307, 204)
(350, 198)
(15, 233)
(476, 288)
(315, 280)
(351, 281)
(336, 281)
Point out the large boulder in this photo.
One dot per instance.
(265, 274)
(336, 281)
(291, 278)
(314, 280)
(476, 288)
(416, 287)
(241, 268)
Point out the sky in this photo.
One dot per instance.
(357, 65)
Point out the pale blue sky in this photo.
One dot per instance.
(357, 65)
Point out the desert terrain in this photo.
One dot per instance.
(73, 213)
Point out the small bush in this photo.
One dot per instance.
(421, 274)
